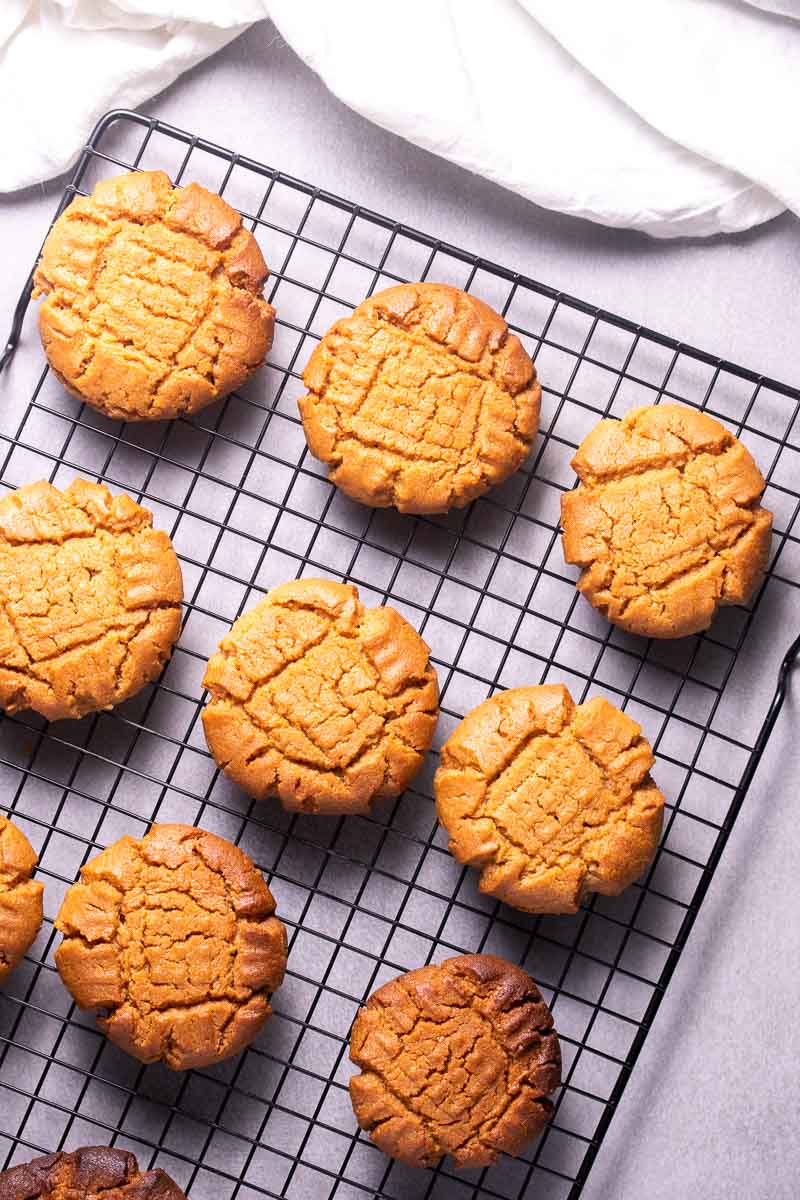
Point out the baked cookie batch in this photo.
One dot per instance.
(421, 400)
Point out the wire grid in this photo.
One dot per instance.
(366, 898)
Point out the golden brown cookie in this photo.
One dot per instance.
(456, 1059)
(154, 298)
(173, 937)
(319, 701)
(90, 599)
(549, 800)
(91, 1173)
(421, 399)
(20, 897)
(666, 523)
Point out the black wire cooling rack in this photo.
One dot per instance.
(365, 898)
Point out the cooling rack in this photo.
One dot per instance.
(365, 898)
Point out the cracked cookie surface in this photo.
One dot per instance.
(319, 701)
(548, 799)
(90, 599)
(666, 522)
(91, 1173)
(173, 938)
(154, 302)
(455, 1059)
(421, 399)
(20, 897)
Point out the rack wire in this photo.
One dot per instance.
(365, 898)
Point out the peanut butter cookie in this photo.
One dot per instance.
(456, 1059)
(666, 523)
(20, 897)
(319, 701)
(421, 399)
(90, 599)
(549, 800)
(173, 937)
(91, 1173)
(154, 298)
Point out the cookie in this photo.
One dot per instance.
(421, 399)
(548, 799)
(90, 599)
(20, 897)
(172, 936)
(91, 1173)
(455, 1059)
(666, 523)
(154, 302)
(319, 701)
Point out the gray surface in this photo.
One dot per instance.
(712, 1107)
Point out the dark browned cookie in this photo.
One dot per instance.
(91, 1173)
(455, 1059)
(20, 896)
(153, 298)
(173, 936)
(422, 399)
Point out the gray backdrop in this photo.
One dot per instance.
(712, 1108)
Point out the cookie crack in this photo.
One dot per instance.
(111, 626)
(716, 545)
(537, 857)
(228, 994)
(161, 314)
(218, 692)
(172, 364)
(26, 676)
(679, 461)
(343, 773)
(656, 594)
(364, 439)
(378, 739)
(461, 470)
(442, 349)
(508, 1091)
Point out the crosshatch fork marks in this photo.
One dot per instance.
(365, 898)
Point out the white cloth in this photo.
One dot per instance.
(63, 63)
(676, 117)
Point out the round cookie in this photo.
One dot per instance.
(548, 799)
(455, 1059)
(90, 599)
(666, 523)
(421, 399)
(173, 936)
(154, 302)
(319, 701)
(91, 1173)
(20, 897)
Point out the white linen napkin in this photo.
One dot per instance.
(73, 60)
(675, 117)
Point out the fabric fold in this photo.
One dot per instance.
(719, 77)
(671, 117)
(506, 100)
